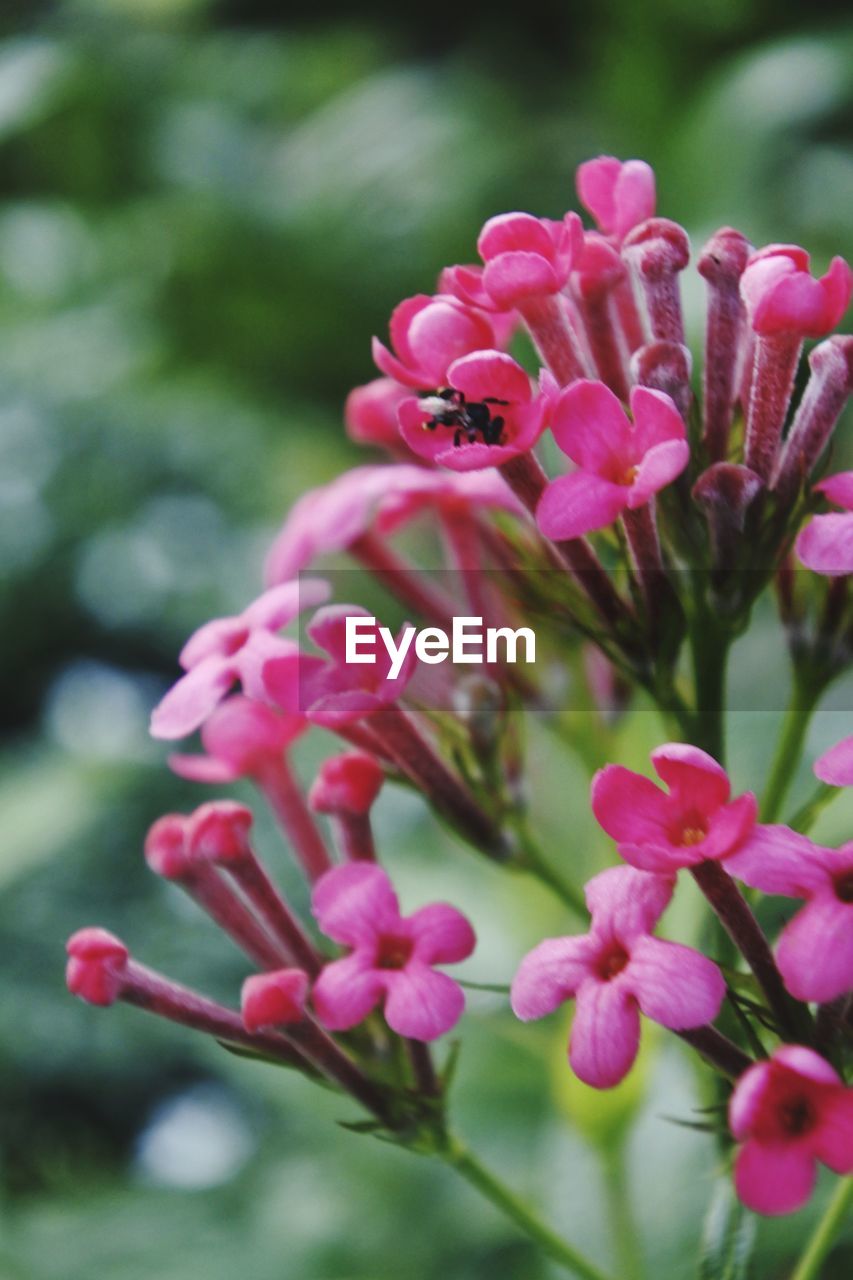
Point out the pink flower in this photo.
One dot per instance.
(789, 1113)
(815, 951)
(835, 766)
(392, 957)
(428, 334)
(332, 692)
(693, 822)
(619, 194)
(239, 738)
(370, 413)
(613, 972)
(488, 414)
(230, 649)
(97, 961)
(621, 465)
(525, 257)
(273, 999)
(826, 543)
(781, 296)
(381, 499)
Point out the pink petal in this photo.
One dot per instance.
(838, 489)
(241, 729)
(656, 419)
(835, 766)
(512, 233)
(729, 828)
(605, 1034)
(346, 992)
(441, 333)
(510, 278)
(774, 1179)
(660, 466)
(441, 934)
(833, 1143)
(590, 426)
(596, 186)
(202, 769)
(490, 374)
(250, 662)
(421, 1003)
(469, 458)
(674, 985)
(354, 903)
(401, 319)
(634, 197)
(189, 702)
(329, 625)
(815, 952)
(626, 903)
(394, 368)
(217, 638)
(776, 859)
(806, 1063)
(550, 974)
(746, 1101)
(280, 605)
(692, 775)
(630, 807)
(579, 503)
(289, 681)
(826, 544)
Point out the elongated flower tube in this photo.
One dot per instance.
(825, 545)
(392, 957)
(658, 251)
(228, 650)
(596, 277)
(428, 334)
(785, 304)
(618, 193)
(824, 398)
(615, 971)
(721, 264)
(620, 465)
(725, 492)
(815, 951)
(788, 1114)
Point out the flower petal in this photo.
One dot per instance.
(579, 503)
(441, 934)
(774, 1179)
(421, 1003)
(826, 544)
(354, 903)
(692, 775)
(346, 992)
(625, 903)
(605, 1033)
(630, 807)
(550, 974)
(776, 859)
(189, 702)
(591, 427)
(674, 985)
(835, 766)
(815, 952)
(656, 419)
(658, 468)
(280, 605)
(490, 374)
(833, 1142)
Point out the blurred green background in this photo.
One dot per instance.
(205, 211)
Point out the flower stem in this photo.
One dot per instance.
(808, 1268)
(469, 1167)
(624, 1228)
(710, 650)
(808, 814)
(789, 748)
(530, 859)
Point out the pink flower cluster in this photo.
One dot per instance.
(648, 481)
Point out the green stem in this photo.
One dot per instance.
(710, 650)
(626, 1237)
(808, 1268)
(530, 859)
(789, 748)
(469, 1167)
(808, 813)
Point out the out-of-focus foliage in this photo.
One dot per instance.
(205, 211)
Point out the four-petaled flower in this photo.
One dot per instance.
(525, 257)
(428, 334)
(226, 650)
(487, 414)
(788, 1114)
(621, 465)
(782, 297)
(659, 831)
(619, 194)
(392, 956)
(826, 543)
(613, 972)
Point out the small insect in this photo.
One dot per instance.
(472, 420)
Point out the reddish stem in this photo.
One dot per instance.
(288, 804)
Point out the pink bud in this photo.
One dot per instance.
(348, 783)
(666, 367)
(274, 999)
(96, 964)
(658, 250)
(166, 847)
(219, 832)
(783, 298)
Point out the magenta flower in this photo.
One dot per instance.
(621, 465)
(377, 499)
(826, 543)
(527, 257)
(239, 738)
(613, 972)
(428, 334)
(815, 951)
(228, 650)
(835, 766)
(370, 413)
(96, 964)
(661, 831)
(782, 297)
(788, 1114)
(330, 691)
(619, 194)
(487, 415)
(392, 957)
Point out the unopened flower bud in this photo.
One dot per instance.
(347, 783)
(658, 250)
(725, 493)
(97, 961)
(665, 366)
(273, 999)
(727, 341)
(219, 832)
(166, 847)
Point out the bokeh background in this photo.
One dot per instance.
(205, 211)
